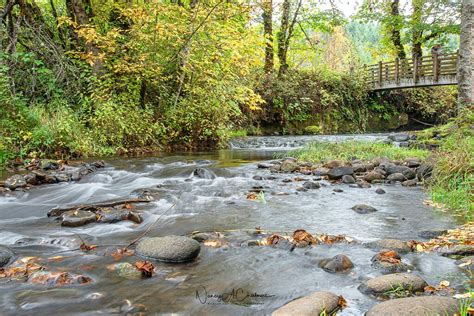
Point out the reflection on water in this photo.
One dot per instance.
(217, 204)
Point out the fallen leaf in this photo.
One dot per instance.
(57, 278)
(85, 247)
(342, 301)
(302, 237)
(120, 252)
(251, 196)
(430, 289)
(128, 206)
(444, 283)
(146, 267)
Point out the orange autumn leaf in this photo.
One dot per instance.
(146, 267)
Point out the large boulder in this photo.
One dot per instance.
(390, 244)
(416, 306)
(338, 173)
(383, 285)
(14, 182)
(169, 248)
(339, 263)
(364, 209)
(288, 165)
(5, 256)
(75, 218)
(318, 303)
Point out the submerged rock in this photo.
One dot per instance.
(364, 209)
(416, 306)
(318, 303)
(339, 263)
(383, 285)
(311, 185)
(390, 244)
(6, 254)
(203, 173)
(77, 218)
(380, 191)
(172, 249)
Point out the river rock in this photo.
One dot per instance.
(49, 165)
(288, 165)
(75, 218)
(311, 185)
(338, 173)
(264, 165)
(373, 175)
(466, 263)
(416, 306)
(364, 209)
(382, 284)
(127, 270)
(339, 263)
(424, 171)
(5, 256)
(334, 164)
(113, 215)
(430, 234)
(409, 174)
(200, 237)
(169, 248)
(363, 185)
(321, 171)
(359, 167)
(380, 191)
(393, 168)
(402, 137)
(412, 162)
(390, 244)
(15, 182)
(348, 179)
(410, 183)
(396, 177)
(381, 160)
(459, 250)
(389, 263)
(31, 178)
(203, 173)
(62, 177)
(317, 303)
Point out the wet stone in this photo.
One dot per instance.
(172, 249)
(339, 263)
(382, 285)
(203, 173)
(409, 183)
(338, 190)
(264, 165)
(338, 173)
(76, 218)
(416, 306)
(6, 254)
(380, 191)
(288, 165)
(258, 178)
(392, 264)
(321, 172)
(311, 185)
(430, 234)
(396, 177)
(112, 215)
(317, 303)
(409, 174)
(390, 244)
(373, 175)
(348, 179)
(15, 182)
(364, 209)
(459, 250)
(31, 178)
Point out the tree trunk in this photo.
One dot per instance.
(81, 12)
(395, 32)
(282, 37)
(466, 55)
(417, 32)
(268, 33)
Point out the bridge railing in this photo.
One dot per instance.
(429, 70)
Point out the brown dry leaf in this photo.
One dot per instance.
(120, 252)
(128, 206)
(216, 243)
(273, 239)
(302, 236)
(21, 268)
(389, 256)
(330, 239)
(57, 278)
(430, 289)
(84, 247)
(251, 196)
(342, 301)
(146, 267)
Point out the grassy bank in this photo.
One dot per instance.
(321, 152)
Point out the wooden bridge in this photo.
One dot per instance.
(425, 71)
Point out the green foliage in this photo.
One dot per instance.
(453, 178)
(321, 152)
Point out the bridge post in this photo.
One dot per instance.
(415, 70)
(436, 68)
(380, 73)
(397, 71)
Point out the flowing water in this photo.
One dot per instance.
(218, 204)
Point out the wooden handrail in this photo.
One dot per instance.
(436, 69)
